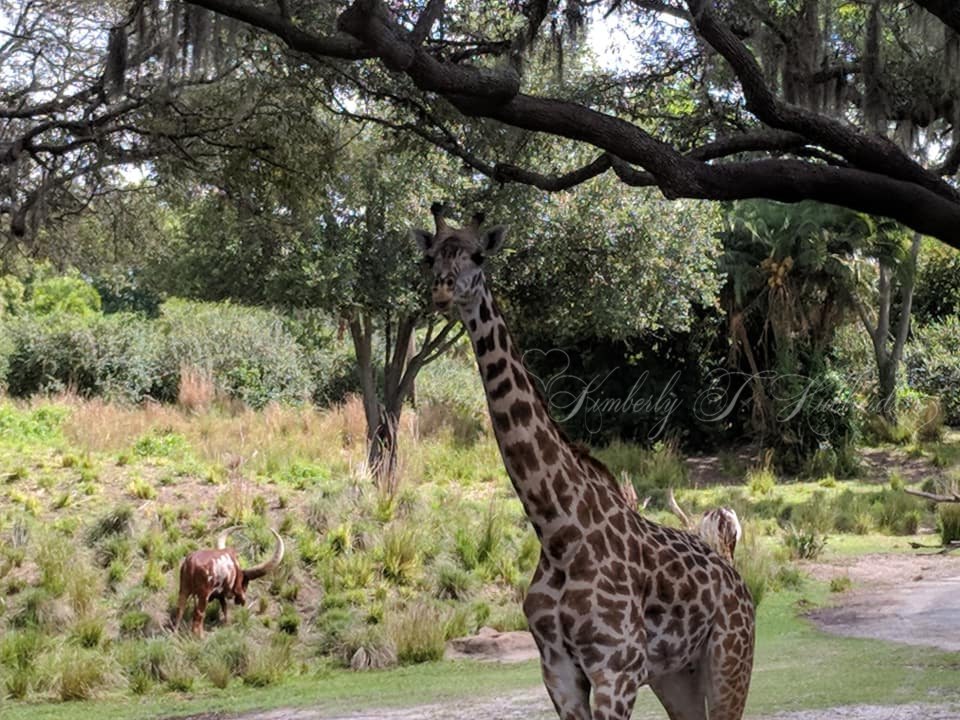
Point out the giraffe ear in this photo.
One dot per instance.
(423, 239)
(492, 240)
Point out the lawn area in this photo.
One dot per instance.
(797, 667)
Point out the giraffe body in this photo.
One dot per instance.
(616, 601)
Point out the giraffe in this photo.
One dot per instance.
(616, 601)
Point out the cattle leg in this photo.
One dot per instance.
(181, 606)
(223, 607)
(198, 612)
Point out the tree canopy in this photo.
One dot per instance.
(851, 103)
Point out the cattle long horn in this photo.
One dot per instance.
(222, 537)
(271, 564)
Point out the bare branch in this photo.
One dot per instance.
(953, 497)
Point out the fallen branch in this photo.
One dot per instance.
(953, 497)
(940, 549)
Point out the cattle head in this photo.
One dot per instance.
(257, 571)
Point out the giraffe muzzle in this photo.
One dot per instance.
(442, 299)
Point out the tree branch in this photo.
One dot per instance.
(947, 10)
(883, 180)
(338, 45)
(872, 153)
(953, 497)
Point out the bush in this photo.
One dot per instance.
(81, 673)
(268, 664)
(247, 352)
(366, 647)
(896, 512)
(225, 655)
(659, 467)
(948, 522)
(803, 543)
(417, 632)
(115, 356)
(761, 481)
(65, 295)
(933, 364)
(755, 564)
(840, 584)
(400, 554)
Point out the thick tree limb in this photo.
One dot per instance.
(873, 153)
(947, 10)
(882, 180)
(338, 45)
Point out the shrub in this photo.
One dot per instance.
(661, 466)
(289, 621)
(88, 632)
(248, 352)
(146, 662)
(817, 513)
(933, 364)
(114, 356)
(761, 481)
(896, 512)
(54, 558)
(755, 564)
(20, 648)
(452, 582)
(225, 655)
(803, 543)
(65, 295)
(507, 618)
(417, 633)
(400, 554)
(142, 489)
(81, 673)
(840, 583)
(134, 623)
(366, 647)
(268, 663)
(948, 522)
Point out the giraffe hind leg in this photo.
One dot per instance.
(729, 663)
(683, 693)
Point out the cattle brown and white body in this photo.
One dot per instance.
(719, 527)
(216, 575)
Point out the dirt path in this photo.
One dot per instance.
(904, 598)
(534, 705)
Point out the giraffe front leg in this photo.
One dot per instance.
(613, 695)
(568, 687)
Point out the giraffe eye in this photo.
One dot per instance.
(428, 261)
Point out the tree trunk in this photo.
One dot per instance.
(888, 344)
(887, 388)
(382, 409)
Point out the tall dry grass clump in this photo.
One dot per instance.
(99, 426)
(196, 390)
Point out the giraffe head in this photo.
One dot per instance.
(455, 256)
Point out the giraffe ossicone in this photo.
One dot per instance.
(616, 601)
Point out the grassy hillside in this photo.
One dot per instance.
(100, 502)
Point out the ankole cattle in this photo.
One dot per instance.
(216, 575)
(719, 527)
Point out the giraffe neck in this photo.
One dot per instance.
(539, 460)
